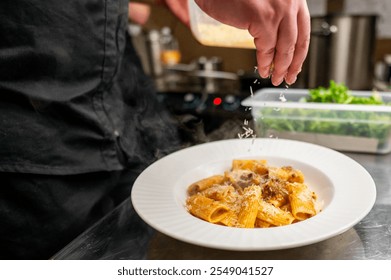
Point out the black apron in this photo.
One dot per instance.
(78, 120)
(73, 97)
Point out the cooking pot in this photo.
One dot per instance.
(341, 49)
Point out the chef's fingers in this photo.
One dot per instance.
(285, 48)
(279, 27)
(302, 45)
(266, 47)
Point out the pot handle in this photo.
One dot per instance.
(325, 30)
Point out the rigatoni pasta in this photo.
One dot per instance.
(207, 209)
(302, 201)
(250, 206)
(252, 194)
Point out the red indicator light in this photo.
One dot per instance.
(217, 101)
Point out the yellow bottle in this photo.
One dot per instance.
(170, 54)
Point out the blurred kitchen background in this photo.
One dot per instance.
(350, 43)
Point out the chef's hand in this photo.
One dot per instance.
(180, 9)
(138, 13)
(281, 31)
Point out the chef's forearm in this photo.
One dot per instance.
(149, 2)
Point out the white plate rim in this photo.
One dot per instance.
(153, 195)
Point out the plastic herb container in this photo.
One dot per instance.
(211, 32)
(344, 127)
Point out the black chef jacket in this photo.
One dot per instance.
(73, 98)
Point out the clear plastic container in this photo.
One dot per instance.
(211, 32)
(343, 127)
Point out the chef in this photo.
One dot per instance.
(78, 118)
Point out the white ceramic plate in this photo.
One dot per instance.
(345, 188)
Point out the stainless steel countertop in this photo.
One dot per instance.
(123, 235)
